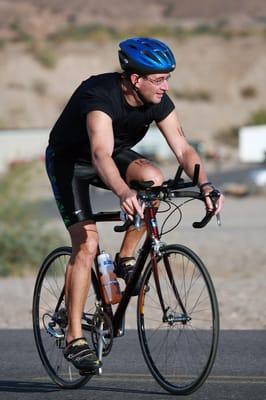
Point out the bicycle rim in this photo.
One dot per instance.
(179, 348)
(47, 296)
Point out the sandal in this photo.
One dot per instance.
(81, 355)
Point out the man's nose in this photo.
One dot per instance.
(165, 85)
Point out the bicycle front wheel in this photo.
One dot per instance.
(50, 319)
(178, 320)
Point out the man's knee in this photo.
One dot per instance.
(85, 240)
(144, 170)
(90, 246)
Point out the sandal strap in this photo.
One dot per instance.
(123, 259)
(127, 261)
(82, 340)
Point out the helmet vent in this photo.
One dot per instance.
(162, 55)
(132, 46)
(150, 55)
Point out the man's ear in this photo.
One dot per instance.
(134, 78)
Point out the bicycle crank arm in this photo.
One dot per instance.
(100, 347)
(53, 332)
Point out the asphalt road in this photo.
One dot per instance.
(239, 371)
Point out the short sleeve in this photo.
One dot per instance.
(90, 101)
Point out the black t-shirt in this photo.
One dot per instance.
(104, 93)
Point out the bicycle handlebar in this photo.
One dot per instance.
(136, 222)
(172, 189)
(214, 196)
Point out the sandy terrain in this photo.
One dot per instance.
(235, 255)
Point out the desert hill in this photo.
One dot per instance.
(48, 47)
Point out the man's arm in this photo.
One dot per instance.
(100, 131)
(186, 155)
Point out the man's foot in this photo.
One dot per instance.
(82, 356)
(124, 268)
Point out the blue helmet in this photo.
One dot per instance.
(146, 56)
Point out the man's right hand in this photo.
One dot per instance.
(130, 204)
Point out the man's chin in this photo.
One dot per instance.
(157, 100)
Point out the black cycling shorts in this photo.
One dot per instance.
(71, 178)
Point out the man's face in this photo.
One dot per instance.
(152, 87)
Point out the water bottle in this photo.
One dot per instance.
(109, 282)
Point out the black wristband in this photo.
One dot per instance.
(203, 185)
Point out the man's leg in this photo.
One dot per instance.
(77, 282)
(141, 170)
(84, 239)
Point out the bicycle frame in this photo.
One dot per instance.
(150, 247)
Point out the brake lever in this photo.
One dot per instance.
(214, 195)
(218, 219)
(137, 222)
(128, 222)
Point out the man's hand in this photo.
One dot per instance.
(130, 204)
(216, 208)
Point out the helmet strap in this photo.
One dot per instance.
(140, 96)
(144, 101)
(127, 76)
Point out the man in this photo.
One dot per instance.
(91, 144)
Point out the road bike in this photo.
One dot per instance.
(177, 309)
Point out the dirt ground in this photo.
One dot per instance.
(235, 255)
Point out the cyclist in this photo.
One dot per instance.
(90, 144)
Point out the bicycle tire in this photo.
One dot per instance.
(179, 352)
(48, 288)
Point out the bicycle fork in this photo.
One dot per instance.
(169, 315)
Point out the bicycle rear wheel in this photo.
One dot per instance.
(50, 319)
(178, 330)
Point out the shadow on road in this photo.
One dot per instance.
(15, 386)
(125, 390)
